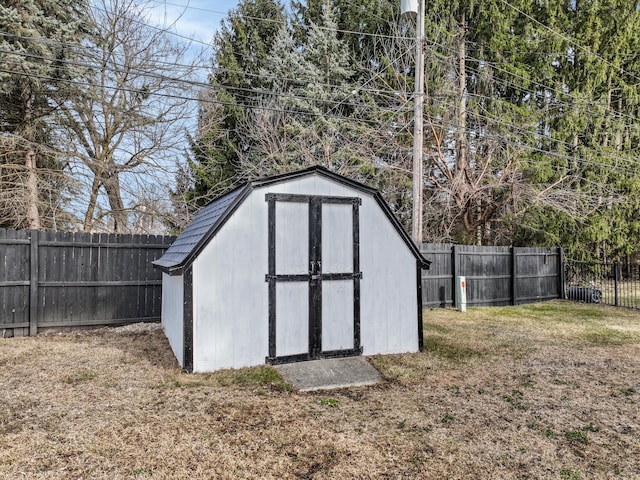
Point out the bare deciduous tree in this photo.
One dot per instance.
(125, 126)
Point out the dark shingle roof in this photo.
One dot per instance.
(212, 216)
(194, 234)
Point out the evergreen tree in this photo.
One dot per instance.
(37, 40)
(309, 106)
(591, 121)
(357, 23)
(242, 46)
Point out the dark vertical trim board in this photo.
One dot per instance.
(271, 208)
(420, 319)
(315, 286)
(514, 276)
(561, 285)
(187, 320)
(454, 273)
(357, 274)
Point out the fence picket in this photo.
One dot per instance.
(612, 284)
(65, 280)
(495, 275)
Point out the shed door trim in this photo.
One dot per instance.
(315, 277)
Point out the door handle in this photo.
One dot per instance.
(315, 268)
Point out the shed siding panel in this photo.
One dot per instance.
(172, 313)
(230, 294)
(292, 238)
(337, 238)
(388, 286)
(337, 315)
(292, 312)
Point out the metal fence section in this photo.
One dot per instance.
(616, 284)
(74, 280)
(494, 275)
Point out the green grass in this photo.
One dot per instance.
(570, 473)
(255, 378)
(80, 377)
(602, 335)
(576, 437)
(450, 351)
(328, 402)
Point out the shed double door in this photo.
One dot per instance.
(314, 277)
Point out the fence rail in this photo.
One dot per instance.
(616, 284)
(72, 280)
(494, 275)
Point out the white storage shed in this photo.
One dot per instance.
(295, 267)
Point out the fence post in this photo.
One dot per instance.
(33, 284)
(616, 277)
(454, 274)
(561, 285)
(514, 275)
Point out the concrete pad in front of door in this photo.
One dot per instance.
(329, 373)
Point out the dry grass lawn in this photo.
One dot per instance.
(549, 390)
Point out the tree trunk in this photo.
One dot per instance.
(33, 217)
(31, 194)
(118, 213)
(93, 199)
(461, 150)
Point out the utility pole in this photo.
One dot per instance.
(417, 7)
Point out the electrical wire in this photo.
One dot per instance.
(208, 85)
(572, 41)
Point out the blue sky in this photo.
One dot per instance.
(197, 19)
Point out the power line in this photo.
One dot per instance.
(245, 94)
(283, 23)
(251, 91)
(199, 99)
(331, 115)
(545, 88)
(572, 41)
(494, 65)
(172, 66)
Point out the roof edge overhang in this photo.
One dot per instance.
(169, 270)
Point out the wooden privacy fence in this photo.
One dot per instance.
(494, 275)
(70, 280)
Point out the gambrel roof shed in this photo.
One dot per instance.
(299, 266)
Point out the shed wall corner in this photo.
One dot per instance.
(173, 313)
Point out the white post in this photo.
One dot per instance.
(418, 131)
(461, 293)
